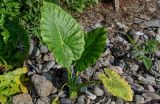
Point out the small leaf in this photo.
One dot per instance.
(5, 35)
(147, 62)
(61, 33)
(116, 85)
(94, 47)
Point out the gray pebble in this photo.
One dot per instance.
(83, 89)
(150, 88)
(48, 65)
(90, 95)
(35, 52)
(98, 91)
(139, 99)
(134, 67)
(119, 101)
(81, 99)
(66, 101)
(43, 49)
(152, 23)
(45, 100)
(107, 100)
(137, 87)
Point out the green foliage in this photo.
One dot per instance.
(8, 9)
(143, 51)
(17, 47)
(10, 84)
(116, 85)
(79, 5)
(62, 34)
(95, 42)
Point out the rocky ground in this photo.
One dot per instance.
(140, 19)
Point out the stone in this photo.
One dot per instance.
(157, 53)
(83, 89)
(81, 100)
(134, 67)
(22, 99)
(42, 86)
(152, 23)
(112, 102)
(66, 101)
(31, 48)
(45, 100)
(90, 95)
(107, 100)
(117, 69)
(154, 96)
(158, 38)
(98, 91)
(119, 101)
(137, 87)
(139, 99)
(150, 88)
(48, 65)
(35, 52)
(43, 49)
(150, 96)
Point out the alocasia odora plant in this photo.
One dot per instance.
(69, 44)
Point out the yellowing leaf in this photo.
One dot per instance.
(116, 85)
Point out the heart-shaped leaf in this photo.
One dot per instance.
(94, 47)
(62, 34)
(116, 85)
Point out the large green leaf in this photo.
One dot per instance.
(116, 85)
(61, 33)
(94, 47)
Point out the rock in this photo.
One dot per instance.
(107, 100)
(119, 101)
(158, 38)
(148, 80)
(117, 69)
(43, 49)
(48, 65)
(31, 48)
(120, 25)
(112, 102)
(43, 101)
(154, 96)
(98, 91)
(157, 53)
(83, 89)
(35, 52)
(137, 87)
(66, 101)
(90, 95)
(139, 99)
(150, 96)
(97, 25)
(150, 88)
(152, 23)
(22, 99)
(129, 79)
(134, 67)
(81, 100)
(42, 86)
(48, 76)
